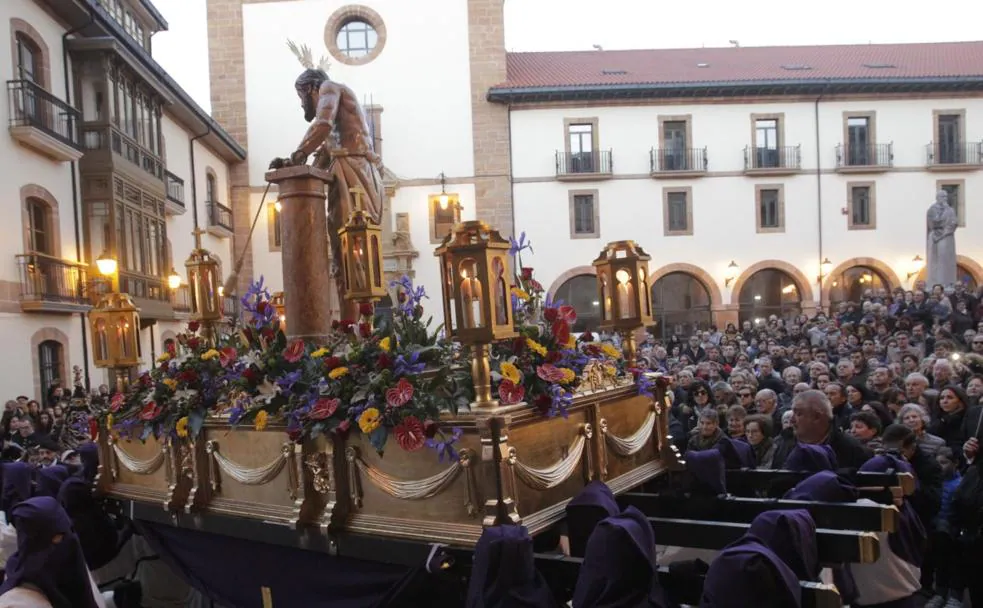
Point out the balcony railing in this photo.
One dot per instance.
(175, 188)
(105, 137)
(48, 279)
(142, 286)
(785, 157)
(32, 106)
(583, 163)
(219, 215)
(941, 154)
(861, 157)
(678, 160)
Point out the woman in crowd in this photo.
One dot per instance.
(916, 418)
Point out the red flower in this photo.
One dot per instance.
(295, 434)
(364, 330)
(171, 348)
(346, 325)
(550, 314)
(193, 326)
(410, 434)
(294, 351)
(549, 372)
(342, 429)
(331, 362)
(430, 429)
(543, 404)
(252, 375)
(568, 314)
(116, 402)
(267, 334)
(553, 356)
(587, 336)
(323, 408)
(194, 342)
(365, 309)
(526, 273)
(227, 356)
(561, 331)
(188, 376)
(383, 362)
(93, 428)
(509, 393)
(535, 286)
(593, 350)
(400, 394)
(518, 345)
(150, 411)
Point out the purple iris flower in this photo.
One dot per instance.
(413, 295)
(288, 380)
(446, 447)
(404, 367)
(560, 401)
(517, 247)
(235, 414)
(645, 386)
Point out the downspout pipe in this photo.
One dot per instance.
(73, 169)
(508, 127)
(819, 191)
(194, 173)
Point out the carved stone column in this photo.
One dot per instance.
(306, 267)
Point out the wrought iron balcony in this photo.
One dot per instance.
(954, 155)
(175, 194)
(109, 137)
(583, 165)
(49, 284)
(43, 122)
(668, 162)
(219, 219)
(858, 159)
(786, 159)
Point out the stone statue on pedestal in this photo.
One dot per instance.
(941, 242)
(340, 140)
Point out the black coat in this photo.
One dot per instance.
(850, 453)
(927, 499)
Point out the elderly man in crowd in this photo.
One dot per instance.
(813, 423)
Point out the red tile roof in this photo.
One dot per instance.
(744, 64)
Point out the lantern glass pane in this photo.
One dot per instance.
(345, 254)
(376, 262)
(644, 291)
(502, 294)
(450, 295)
(605, 298)
(360, 267)
(472, 294)
(125, 333)
(626, 303)
(102, 340)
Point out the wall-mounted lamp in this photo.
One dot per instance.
(917, 263)
(106, 264)
(173, 279)
(824, 267)
(732, 271)
(278, 206)
(444, 200)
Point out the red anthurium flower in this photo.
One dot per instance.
(410, 434)
(526, 273)
(323, 408)
(509, 393)
(364, 330)
(535, 285)
(400, 394)
(294, 434)
(252, 375)
(331, 362)
(150, 411)
(543, 403)
(116, 402)
(549, 372)
(551, 314)
(342, 429)
(267, 334)
(193, 326)
(294, 351)
(189, 376)
(568, 314)
(561, 331)
(171, 348)
(194, 342)
(227, 356)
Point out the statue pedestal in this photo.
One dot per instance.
(304, 247)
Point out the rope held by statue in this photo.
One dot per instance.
(230, 283)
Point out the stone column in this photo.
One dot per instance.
(304, 236)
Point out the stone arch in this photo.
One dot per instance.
(966, 263)
(802, 283)
(887, 273)
(56, 335)
(565, 276)
(716, 300)
(39, 193)
(25, 29)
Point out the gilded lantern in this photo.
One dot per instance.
(622, 284)
(361, 257)
(476, 284)
(205, 283)
(279, 302)
(115, 322)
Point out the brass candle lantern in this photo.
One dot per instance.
(206, 291)
(114, 322)
(279, 302)
(623, 289)
(361, 253)
(474, 262)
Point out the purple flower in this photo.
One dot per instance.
(517, 247)
(260, 316)
(288, 380)
(560, 400)
(402, 367)
(645, 386)
(413, 295)
(235, 414)
(446, 446)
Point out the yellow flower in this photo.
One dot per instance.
(510, 372)
(369, 420)
(109, 422)
(170, 383)
(519, 293)
(181, 428)
(385, 344)
(536, 347)
(572, 342)
(610, 350)
(164, 357)
(261, 420)
(568, 375)
(610, 370)
(321, 352)
(337, 372)
(209, 354)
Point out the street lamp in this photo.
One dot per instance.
(114, 322)
(732, 271)
(106, 264)
(173, 279)
(917, 263)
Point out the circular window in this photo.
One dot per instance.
(355, 35)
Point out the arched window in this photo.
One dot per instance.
(39, 237)
(769, 292)
(851, 284)
(681, 305)
(50, 364)
(211, 188)
(28, 59)
(581, 293)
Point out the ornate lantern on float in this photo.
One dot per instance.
(361, 253)
(206, 290)
(279, 302)
(476, 279)
(114, 322)
(623, 290)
